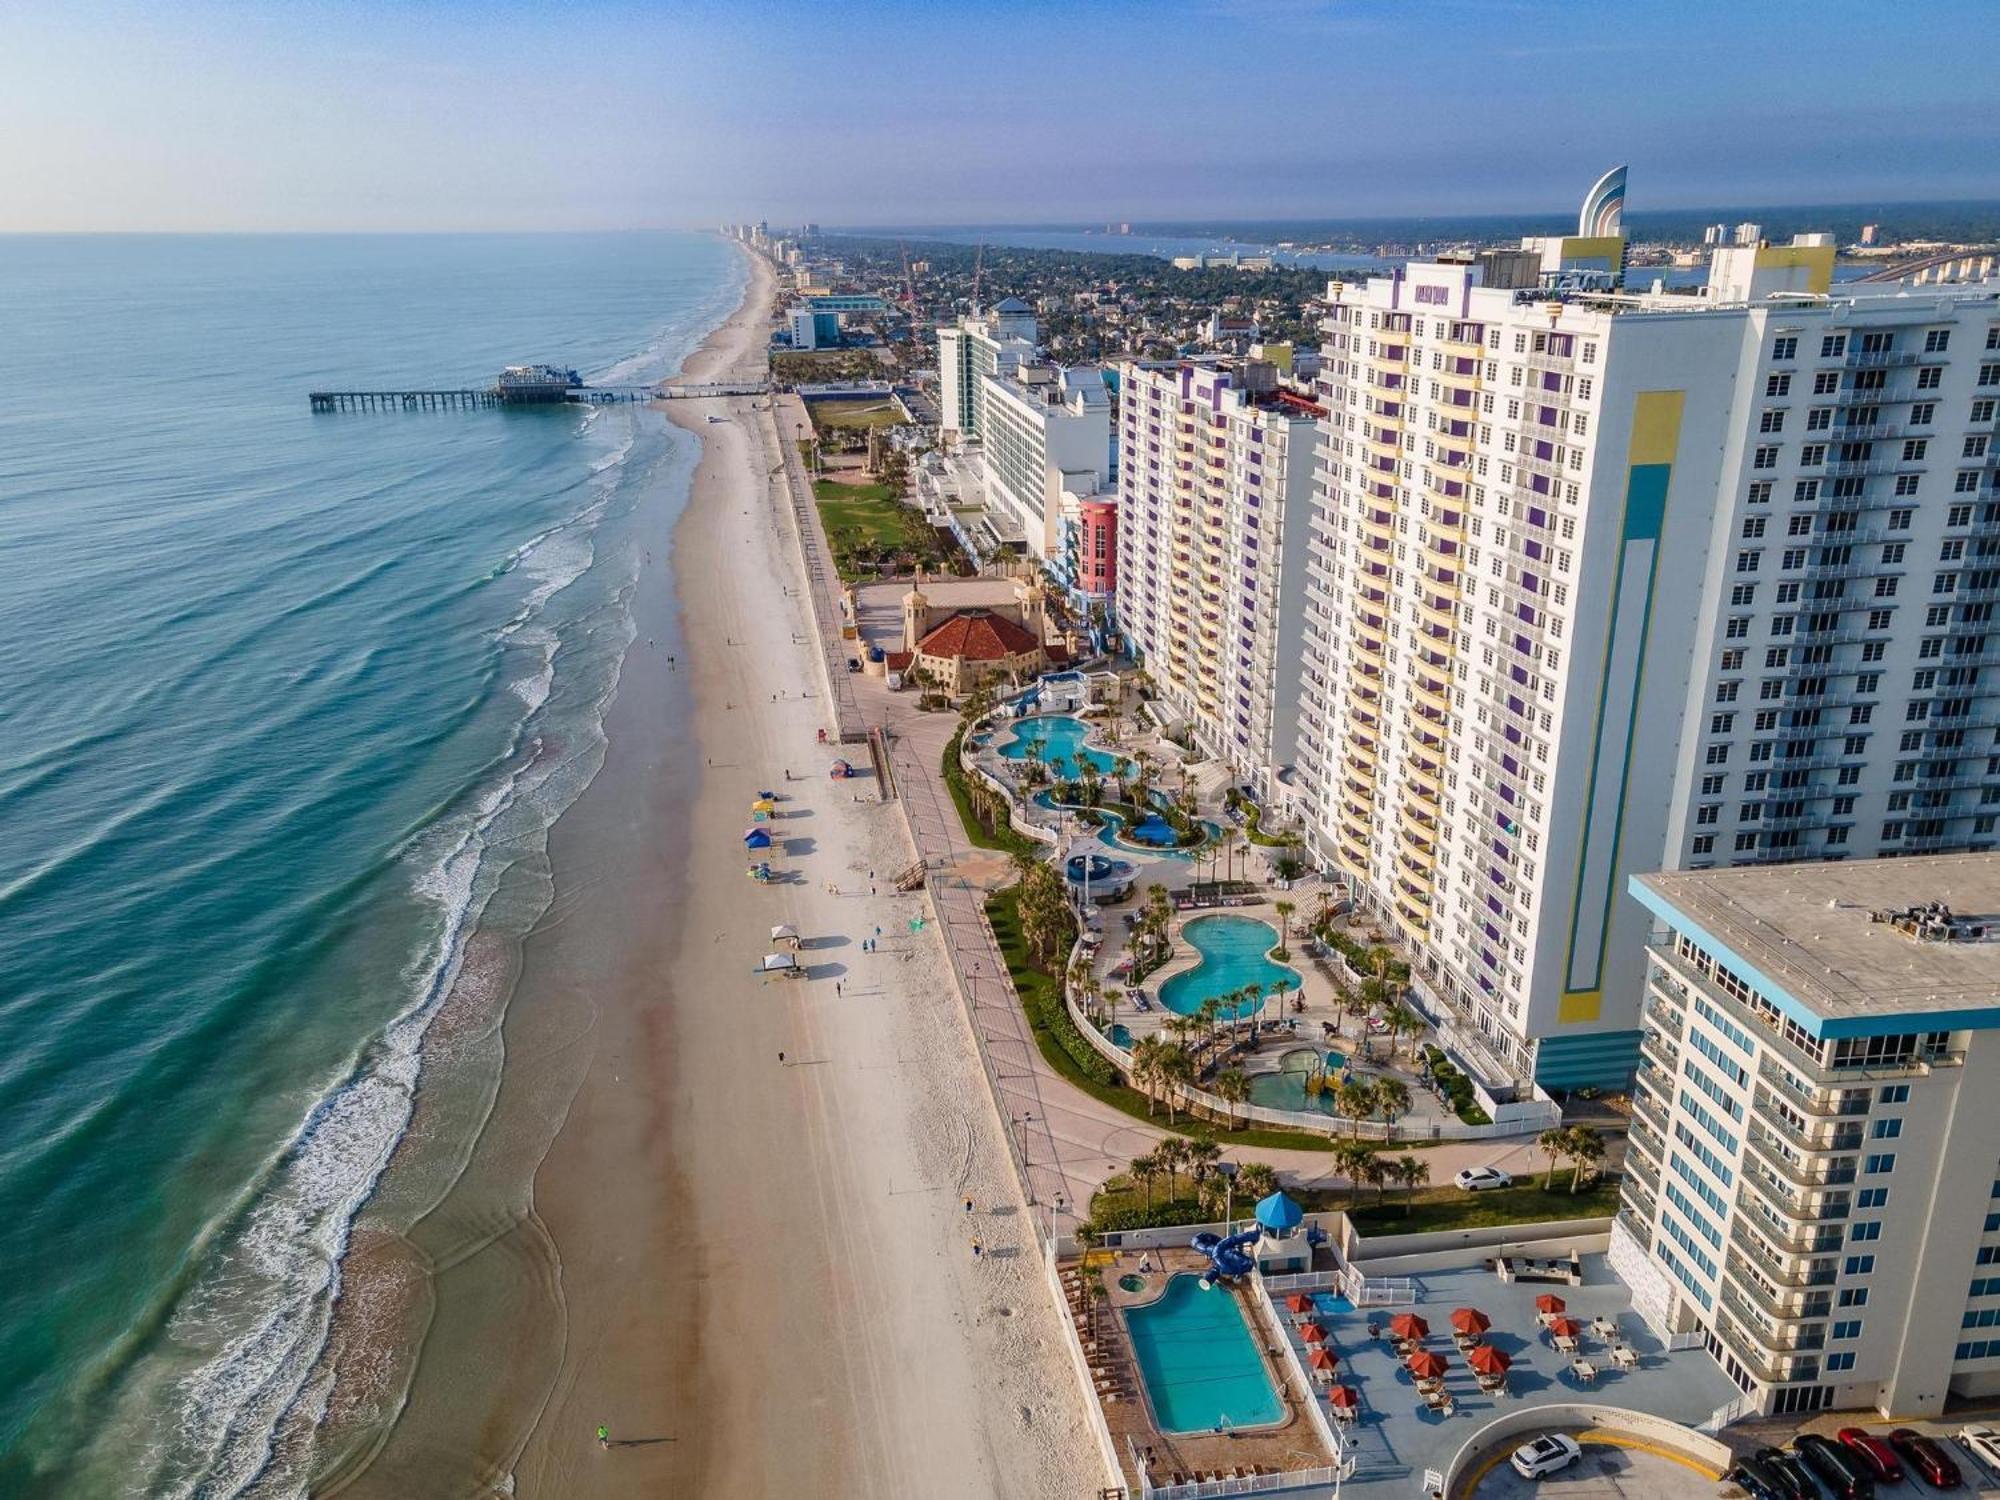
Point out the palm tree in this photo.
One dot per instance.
(1404, 1024)
(1350, 1159)
(1392, 1102)
(1232, 1086)
(1210, 1014)
(1412, 1172)
(1355, 1099)
(1586, 1149)
(1146, 1170)
(1175, 1069)
(1377, 1172)
(1554, 1143)
(1173, 1156)
(1146, 1054)
(1256, 1181)
(1201, 1156)
(1284, 910)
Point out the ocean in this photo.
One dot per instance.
(290, 702)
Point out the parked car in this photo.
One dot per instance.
(1926, 1457)
(1840, 1470)
(1878, 1455)
(1983, 1443)
(1546, 1454)
(1758, 1480)
(1474, 1178)
(1789, 1475)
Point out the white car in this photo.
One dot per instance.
(1545, 1455)
(1983, 1443)
(1472, 1179)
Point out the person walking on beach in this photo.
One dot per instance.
(975, 1249)
(603, 1436)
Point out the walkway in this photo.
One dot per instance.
(795, 493)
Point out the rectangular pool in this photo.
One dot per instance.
(1199, 1360)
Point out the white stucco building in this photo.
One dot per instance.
(1045, 433)
(974, 349)
(1813, 1182)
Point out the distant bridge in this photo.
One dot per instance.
(467, 397)
(1949, 266)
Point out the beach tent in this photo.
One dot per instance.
(763, 805)
(757, 838)
(786, 964)
(1279, 1214)
(840, 769)
(784, 933)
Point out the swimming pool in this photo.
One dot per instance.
(1200, 1364)
(1052, 737)
(1287, 1088)
(1120, 1035)
(1232, 953)
(1113, 834)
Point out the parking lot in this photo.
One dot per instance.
(1612, 1468)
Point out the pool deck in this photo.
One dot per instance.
(1289, 1444)
(1396, 1438)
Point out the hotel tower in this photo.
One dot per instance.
(1602, 583)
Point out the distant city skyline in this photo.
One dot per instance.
(221, 116)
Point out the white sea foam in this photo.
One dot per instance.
(266, 1376)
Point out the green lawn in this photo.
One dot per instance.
(1448, 1208)
(1005, 839)
(857, 415)
(867, 518)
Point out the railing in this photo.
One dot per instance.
(1107, 1449)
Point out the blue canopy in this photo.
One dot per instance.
(757, 838)
(1278, 1212)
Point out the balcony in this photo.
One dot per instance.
(1779, 1271)
(1799, 1239)
(1880, 359)
(1813, 1138)
(1805, 1178)
(1787, 1306)
(1793, 1341)
(1659, 1051)
(1647, 1106)
(1760, 1363)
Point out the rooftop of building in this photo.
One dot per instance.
(1828, 935)
(978, 635)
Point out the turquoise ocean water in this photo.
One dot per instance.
(289, 703)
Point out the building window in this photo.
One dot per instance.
(1858, 1265)
(1785, 348)
(1835, 1363)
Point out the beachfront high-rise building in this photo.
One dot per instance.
(1607, 583)
(1215, 473)
(974, 349)
(1813, 1180)
(1045, 440)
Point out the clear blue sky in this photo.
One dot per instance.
(565, 114)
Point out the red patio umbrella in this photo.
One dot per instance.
(1312, 1333)
(1488, 1361)
(1323, 1359)
(1470, 1320)
(1428, 1364)
(1299, 1302)
(1549, 1302)
(1409, 1326)
(1565, 1328)
(1345, 1397)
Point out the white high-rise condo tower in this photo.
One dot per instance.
(1604, 583)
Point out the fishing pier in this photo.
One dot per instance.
(525, 385)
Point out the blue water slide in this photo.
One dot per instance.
(1226, 1257)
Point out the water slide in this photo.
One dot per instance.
(1226, 1257)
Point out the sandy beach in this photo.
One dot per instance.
(765, 1267)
